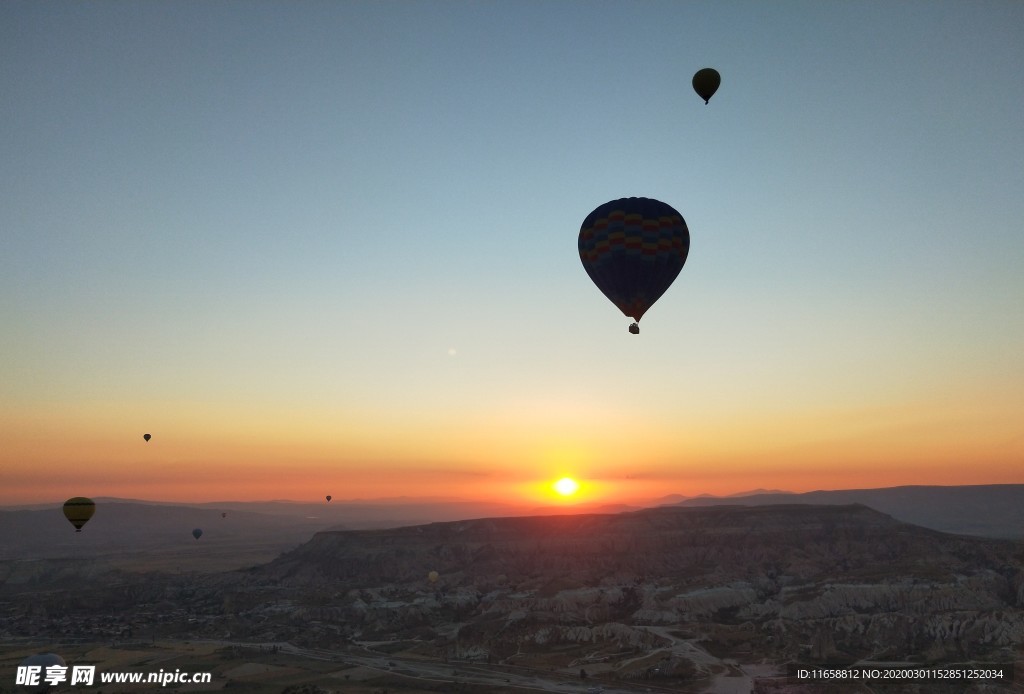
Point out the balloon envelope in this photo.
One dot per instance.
(328, 497)
(633, 249)
(43, 661)
(79, 510)
(197, 533)
(147, 437)
(706, 83)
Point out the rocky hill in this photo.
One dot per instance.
(683, 545)
(785, 581)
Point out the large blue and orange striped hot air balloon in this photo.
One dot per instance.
(633, 249)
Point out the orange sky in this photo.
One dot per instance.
(212, 453)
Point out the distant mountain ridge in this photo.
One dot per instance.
(34, 532)
(990, 510)
(754, 492)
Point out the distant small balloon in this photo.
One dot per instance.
(328, 498)
(147, 437)
(224, 515)
(78, 510)
(197, 533)
(706, 83)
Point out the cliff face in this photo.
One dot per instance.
(768, 546)
(843, 580)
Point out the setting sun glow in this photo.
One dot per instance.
(566, 486)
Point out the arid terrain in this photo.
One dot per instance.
(717, 599)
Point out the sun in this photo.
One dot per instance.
(566, 486)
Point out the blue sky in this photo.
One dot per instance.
(368, 211)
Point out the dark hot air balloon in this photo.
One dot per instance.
(197, 533)
(79, 510)
(706, 82)
(328, 498)
(633, 249)
(147, 437)
(224, 515)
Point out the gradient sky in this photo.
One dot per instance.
(330, 247)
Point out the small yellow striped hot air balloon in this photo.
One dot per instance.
(79, 510)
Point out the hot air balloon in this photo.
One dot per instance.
(197, 533)
(224, 515)
(147, 437)
(433, 576)
(328, 498)
(43, 661)
(79, 510)
(705, 83)
(633, 249)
